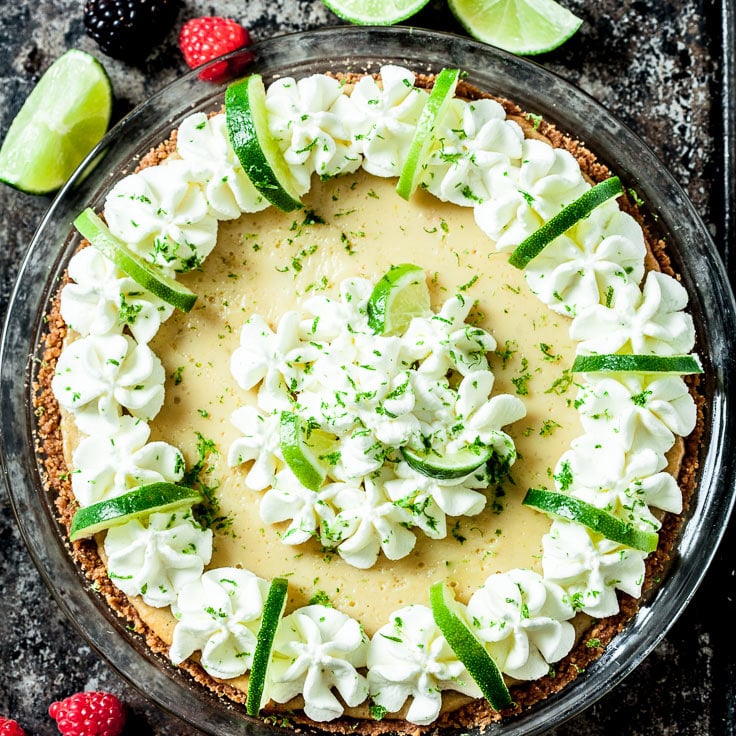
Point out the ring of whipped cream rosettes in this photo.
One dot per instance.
(113, 384)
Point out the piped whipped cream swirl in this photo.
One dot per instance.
(102, 300)
(219, 615)
(158, 558)
(409, 658)
(318, 649)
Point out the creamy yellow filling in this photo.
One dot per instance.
(267, 263)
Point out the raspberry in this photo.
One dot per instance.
(129, 29)
(9, 727)
(203, 39)
(89, 714)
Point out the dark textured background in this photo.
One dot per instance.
(655, 64)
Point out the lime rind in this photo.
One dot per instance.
(273, 610)
(632, 363)
(430, 118)
(564, 506)
(433, 464)
(523, 27)
(310, 472)
(143, 501)
(571, 214)
(375, 12)
(467, 647)
(91, 227)
(258, 152)
(63, 118)
(398, 296)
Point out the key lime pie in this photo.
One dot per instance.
(368, 455)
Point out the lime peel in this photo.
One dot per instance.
(61, 121)
(672, 364)
(571, 214)
(258, 152)
(398, 296)
(145, 500)
(564, 506)
(375, 12)
(273, 610)
(145, 274)
(524, 27)
(431, 116)
(299, 454)
(467, 647)
(450, 466)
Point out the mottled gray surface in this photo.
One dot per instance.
(654, 64)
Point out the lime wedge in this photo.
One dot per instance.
(256, 148)
(375, 12)
(143, 273)
(673, 364)
(446, 467)
(571, 214)
(467, 647)
(306, 450)
(523, 27)
(400, 295)
(433, 111)
(563, 506)
(144, 501)
(273, 610)
(63, 119)
(531, 247)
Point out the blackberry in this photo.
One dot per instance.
(129, 29)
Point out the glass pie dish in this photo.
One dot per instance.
(534, 90)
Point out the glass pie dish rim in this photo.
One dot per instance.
(695, 258)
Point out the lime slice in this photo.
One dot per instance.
(520, 26)
(63, 119)
(531, 247)
(563, 506)
(306, 450)
(447, 467)
(424, 136)
(144, 501)
(143, 273)
(467, 647)
(674, 364)
(273, 610)
(400, 295)
(257, 150)
(375, 12)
